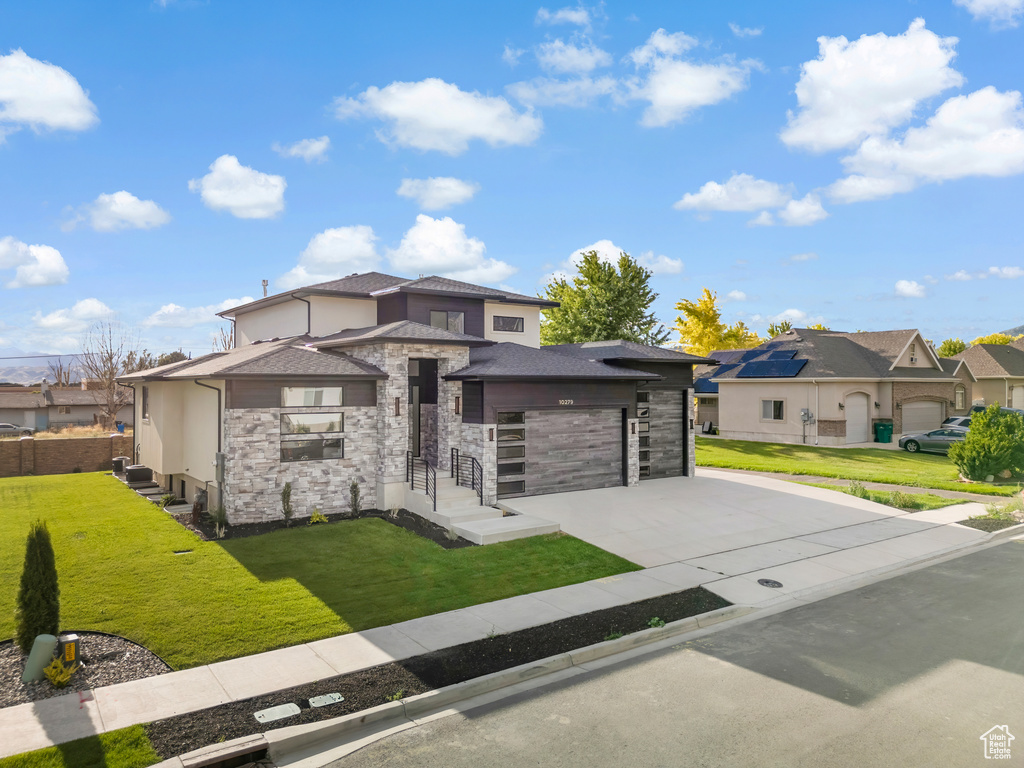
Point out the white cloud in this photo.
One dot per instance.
(308, 149)
(559, 56)
(865, 88)
(660, 264)
(736, 296)
(797, 317)
(121, 210)
(438, 192)
(910, 289)
(245, 192)
(763, 219)
(1000, 13)
(579, 16)
(1006, 273)
(804, 212)
(980, 134)
(74, 320)
(33, 265)
(174, 316)
(745, 31)
(511, 55)
(331, 254)
(434, 115)
(1001, 273)
(41, 95)
(673, 87)
(577, 92)
(961, 275)
(798, 257)
(742, 192)
(440, 246)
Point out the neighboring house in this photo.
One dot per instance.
(45, 408)
(999, 369)
(706, 390)
(831, 388)
(360, 379)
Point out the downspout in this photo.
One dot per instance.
(220, 420)
(309, 314)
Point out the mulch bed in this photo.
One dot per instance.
(106, 660)
(402, 518)
(388, 682)
(989, 524)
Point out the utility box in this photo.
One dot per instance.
(68, 649)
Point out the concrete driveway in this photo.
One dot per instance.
(740, 528)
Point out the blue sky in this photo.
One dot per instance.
(857, 164)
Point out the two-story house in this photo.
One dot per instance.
(380, 379)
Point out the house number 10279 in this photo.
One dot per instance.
(565, 402)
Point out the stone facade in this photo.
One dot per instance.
(476, 442)
(254, 473)
(691, 436)
(633, 455)
(832, 428)
(428, 432)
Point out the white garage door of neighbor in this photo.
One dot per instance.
(1018, 397)
(856, 418)
(921, 417)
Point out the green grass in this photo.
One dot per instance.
(872, 465)
(126, 748)
(119, 574)
(920, 501)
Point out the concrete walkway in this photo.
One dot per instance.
(719, 530)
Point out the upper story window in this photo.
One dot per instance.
(508, 324)
(307, 396)
(145, 402)
(913, 354)
(450, 321)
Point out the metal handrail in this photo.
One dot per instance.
(455, 462)
(468, 473)
(431, 483)
(478, 480)
(410, 475)
(429, 476)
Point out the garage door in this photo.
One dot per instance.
(1017, 398)
(565, 450)
(921, 417)
(857, 418)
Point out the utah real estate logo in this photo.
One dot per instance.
(997, 742)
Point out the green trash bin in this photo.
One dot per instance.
(883, 433)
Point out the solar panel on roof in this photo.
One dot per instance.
(771, 369)
(782, 354)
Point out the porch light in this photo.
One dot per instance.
(398, 406)
(490, 434)
(458, 404)
(877, 405)
(632, 428)
(842, 407)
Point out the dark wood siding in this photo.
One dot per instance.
(266, 393)
(676, 376)
(668, 444)
(419, 306)
(473, 402)
(391, 308)
(519, 396)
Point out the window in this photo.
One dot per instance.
(145, 402)
(773, 410)
(707, 401)
(643, 412)
(645, 455)
(310, 450)
(513, 468)
(644, 426)
(512, 417)
(961, 397)
(307, 396)
(305, 423)
(64, 410)
(512, 434)
(449, 321)
(515, 486)
(508, 324)
(511, 451)
(645, 441)
(643, 397)
(645, 470)
(913, 354)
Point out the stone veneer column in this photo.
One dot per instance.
(691, 437)
(633, 453)
(449, 432)
(475, 443)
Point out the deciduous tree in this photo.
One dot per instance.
(951, 347)
(110, 350)
(701, 329)
(779, 328)
(996, 338)
(994, 443)
(171, 357)
(603, 301)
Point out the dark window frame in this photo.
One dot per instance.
(288, 444)
(288, 416)
(449, 315)
(520, 420)
(321, 404)
(512, 469)
(145, 403)
(518, 324)
(512, 451)
(520, 487)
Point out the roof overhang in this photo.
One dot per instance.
(371, 340)
(281, 298)
(561, 377)
(462, 295)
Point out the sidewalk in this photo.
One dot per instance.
(822, 560)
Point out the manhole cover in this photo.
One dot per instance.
(277, 713)
(326, 699)
(772, 583)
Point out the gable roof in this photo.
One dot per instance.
(371, 285)
(988, 361)
(832, 354)
(620, 349)
(508, 360)
(398, 331)
(281, 358)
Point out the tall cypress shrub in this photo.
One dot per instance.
(38, 606)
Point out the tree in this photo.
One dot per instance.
(171, 357)
(38, 607)
(994, 444)
(996, 338)
(703, 331)
(110, 350)
(777, 329)
(224, 341)
(604, 301)
(61, 372)
(819, 327)
(951, 347)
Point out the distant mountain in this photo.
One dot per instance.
(21, 367)
(1015, 331)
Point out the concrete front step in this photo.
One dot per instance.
(505, 528)
(464, 514)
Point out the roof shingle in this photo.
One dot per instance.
(515, 361)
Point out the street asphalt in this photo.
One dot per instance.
(910, 671)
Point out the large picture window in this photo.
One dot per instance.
(773, 410)
(311, 396)
(306, 423)
(508, 324)
(311, 450)
(450, 321)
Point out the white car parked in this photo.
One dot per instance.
(14, 429)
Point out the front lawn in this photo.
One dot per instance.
(915, 501)
(125, 748)
(119, 573)
(871, 465)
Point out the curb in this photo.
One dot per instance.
(1006, 533)
(290, 739)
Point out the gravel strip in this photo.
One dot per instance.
(106, 660)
